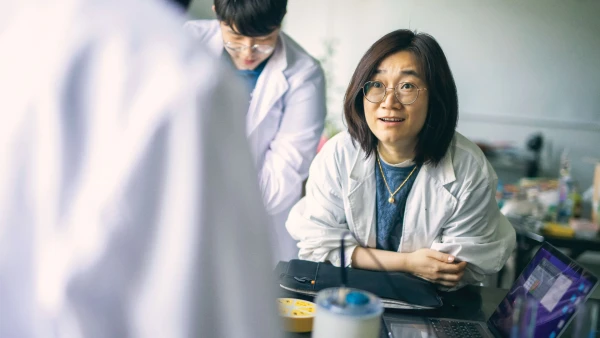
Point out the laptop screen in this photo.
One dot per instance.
(555, 284)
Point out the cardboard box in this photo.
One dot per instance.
(596, 196)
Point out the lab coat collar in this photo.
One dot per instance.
(361, 197)
(362, 189)
(279, 59)
(362, 167)
(270, 87)
(444, 171)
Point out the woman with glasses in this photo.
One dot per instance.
(407, 191)
(286, 112)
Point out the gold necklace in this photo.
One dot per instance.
(391, 199)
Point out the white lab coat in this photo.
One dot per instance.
(284, 123)
(450, 208)
(119, 212)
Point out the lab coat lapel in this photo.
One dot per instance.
(361, 198)
(270, 87)
(444, 172)
(429, 204)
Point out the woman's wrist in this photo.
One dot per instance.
(374, 259)
(403, 262)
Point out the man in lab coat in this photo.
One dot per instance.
(287, 103)
(120, 212)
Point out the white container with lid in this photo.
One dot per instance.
(347, 313)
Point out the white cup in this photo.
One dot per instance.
(347, 313)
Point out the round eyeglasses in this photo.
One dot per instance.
(239, 47)
(405, 92)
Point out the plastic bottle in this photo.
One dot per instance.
(577, 201)
(565, 188)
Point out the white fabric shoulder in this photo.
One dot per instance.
(339, 147)
(470, 164)
(202, 29)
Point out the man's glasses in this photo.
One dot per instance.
(405, 92)
(239, 47)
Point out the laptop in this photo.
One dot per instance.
(552, 284)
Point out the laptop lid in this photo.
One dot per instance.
(555, 283)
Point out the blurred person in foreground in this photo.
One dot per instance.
(119, 214)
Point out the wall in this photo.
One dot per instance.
(520, 66)
(201, 9)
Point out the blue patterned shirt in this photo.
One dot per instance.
(390, 217)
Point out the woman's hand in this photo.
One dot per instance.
(435, 266)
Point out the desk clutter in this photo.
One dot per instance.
(552, 291)
(297, 315)
(554, 205)
(338, 312)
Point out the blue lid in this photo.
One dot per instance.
(356, 298)
(349, 302)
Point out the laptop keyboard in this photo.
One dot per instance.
(455, 329)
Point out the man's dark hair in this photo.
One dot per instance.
(251, 17)
(436, 135)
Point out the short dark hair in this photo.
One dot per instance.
(442, 116)
(251, 17)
